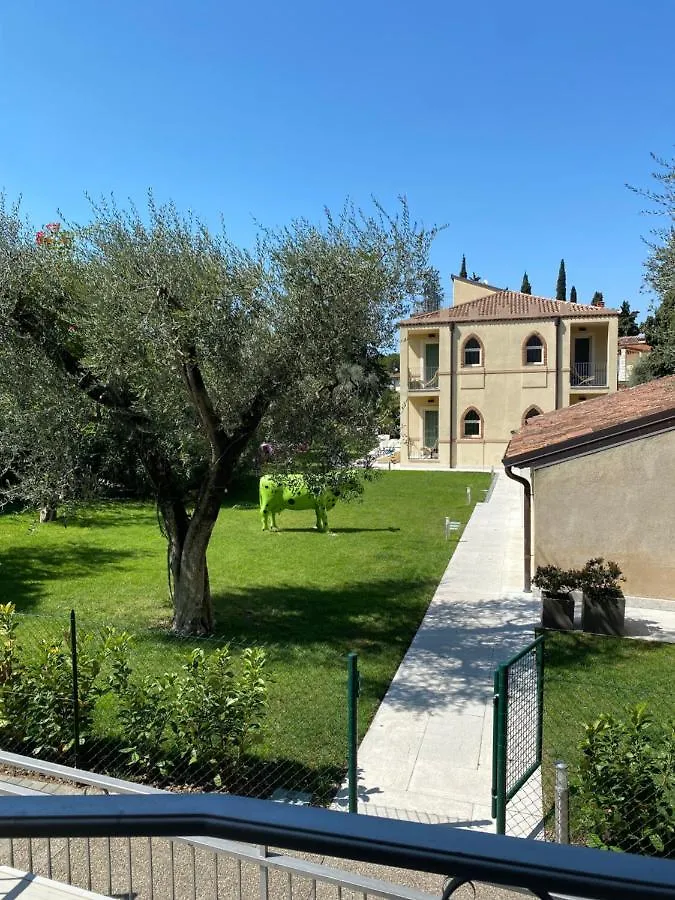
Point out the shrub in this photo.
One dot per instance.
(205, 716)
(219, 712)
(627, 784)
(555, 580)
(36, 694)
(601, 578)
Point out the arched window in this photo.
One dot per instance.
(473, 352)
(472, 424)
(531, 413)
(534, 351)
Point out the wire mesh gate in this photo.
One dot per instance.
(517, 726)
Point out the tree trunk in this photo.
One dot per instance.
(47, 514)
(192, 604)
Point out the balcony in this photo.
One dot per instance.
(231, 856)
(424, 379)
(588, 375)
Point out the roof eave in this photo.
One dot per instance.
(645, 426)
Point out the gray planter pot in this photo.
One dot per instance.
(604, 613)
(557, 611)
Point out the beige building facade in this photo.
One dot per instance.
(474, 373)
(602, 484)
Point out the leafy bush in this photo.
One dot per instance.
(36, 694)
(555, 580)
(144, 710)
(206, 715)
(218, 713)
(601, 578)
(627, 784)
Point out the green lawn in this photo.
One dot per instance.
(586, 675)
(308, 597)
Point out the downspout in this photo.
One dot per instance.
(527, 527)
(558, 332)
(452, 385)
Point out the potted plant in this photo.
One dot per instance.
(604, 605)
(557, 602)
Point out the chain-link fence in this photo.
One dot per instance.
(609, 715)
(146, 705)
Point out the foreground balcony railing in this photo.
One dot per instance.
(588, 375)
(546, 870)
(424, 379)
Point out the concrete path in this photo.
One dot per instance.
(427, 754)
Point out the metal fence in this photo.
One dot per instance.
(145, 705)
(145, 868)
(619, 793)
(610, 717)
(517, 742)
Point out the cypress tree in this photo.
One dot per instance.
(526, 287)
(598, 299)
(462, 271)
(561, 286)
(573, 295)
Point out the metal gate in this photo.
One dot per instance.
(518, 718)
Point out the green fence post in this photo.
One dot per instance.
(502, 725)
(352, 728)
(495, 745)
(76, 697)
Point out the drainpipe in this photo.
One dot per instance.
(452, 384)
(527, 528)
(558, 335)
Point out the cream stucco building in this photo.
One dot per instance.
(473, 373)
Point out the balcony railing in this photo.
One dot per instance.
(417, 450)
(424, 379)
(588, 375)
(129, 840)
(546, 870)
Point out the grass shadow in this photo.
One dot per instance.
(347, 617)
(25, 570)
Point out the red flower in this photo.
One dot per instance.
(40, 237)
(53, 227)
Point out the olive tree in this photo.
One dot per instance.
(186, 346)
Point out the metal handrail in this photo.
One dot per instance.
(539, 867)
(588, 375)
(422, 379)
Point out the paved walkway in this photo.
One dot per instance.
(427, 755)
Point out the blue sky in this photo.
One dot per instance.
(517, 125)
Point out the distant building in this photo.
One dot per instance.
(475, 372)
(631, 349)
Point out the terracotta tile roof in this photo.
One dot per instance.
(636, 342)
(507, 305)
(612, 415)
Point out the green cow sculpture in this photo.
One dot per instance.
(293, 492)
